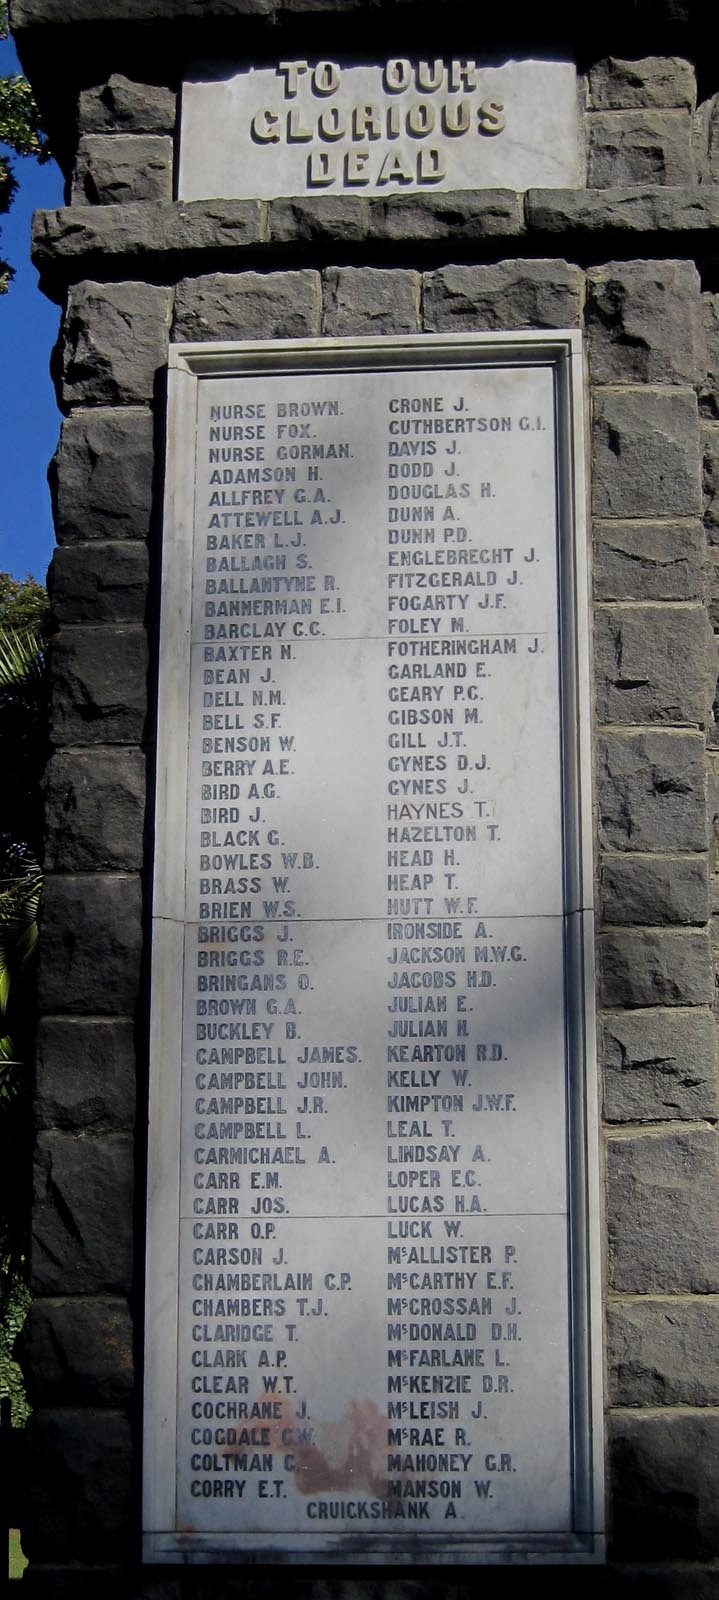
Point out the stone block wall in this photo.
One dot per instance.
(631, 260)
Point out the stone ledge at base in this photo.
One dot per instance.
(165, 230)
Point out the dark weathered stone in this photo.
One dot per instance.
(93, 1581)
(99, 582)
(663, 1212)
(659, 1065)
(710, 479)
(310, 219)
(706, 141)
(651, 791)
(82, 1214)
(617, 85)
(95, 811)
(169, 231)
(78, 1486)
(637, 209)
(165, 229)
(114, 169)
(99, 685)
(646, 453)
(85, 1074)
(665, 1487)
(281, 305)
(121, 106)
(656, 968)
(663, 1352)
(414, 218)
(648, 560)
(711, 574)
(78, 1352)
(709, 389)
(655, 889)
(92, 941)
(644, 322)
(510, 294)
(101, 477)
(370, 300)
(113, 342)
(35, 13)
(627, 147)
(654, 663)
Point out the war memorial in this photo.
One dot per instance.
(375, 1244)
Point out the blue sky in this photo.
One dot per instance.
(29, 419)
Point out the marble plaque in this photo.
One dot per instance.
(370, 1267)
(320, 127)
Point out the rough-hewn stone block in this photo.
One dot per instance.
(91, 945)
(646, 453)
(85, 1074)
(114, 169)
(651, 791)
(711, 574)
(165, 231)
(705, 141)
(641, 208)
(416, 218)
(648, 560)
(656, 968)
(663, 1212)
(99, 685)
(710, 480)
(97, 1580)
(102, 474)
(626, 147)
(618, 85)
(250, 305)
(655, 889)
(121, 106)
(99, 582)
(78, 1352)
(654, 663)
(665, 1487)
(659, 1065)
(82, 1214)
(95, 811)
(663, 1352)
(305, 219)
(510, 294)
(644, 322)
(370, 300)
(78, 1486)
(709, 390)
(113, 343)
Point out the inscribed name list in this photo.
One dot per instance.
(374, 1321)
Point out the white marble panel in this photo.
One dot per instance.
(371, 978)
(356, 1420)
(408, 505)
(391, 128)
(327, 1097)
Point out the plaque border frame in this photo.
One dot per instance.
(188, 364)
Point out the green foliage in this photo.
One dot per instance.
(23, 624)
(20, 119)
(23, 709)
(20, 129)
(23, 604)
(10, 1375)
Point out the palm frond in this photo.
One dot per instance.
(21, 659)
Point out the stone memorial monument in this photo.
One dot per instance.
(375, 1197)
